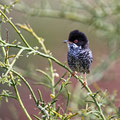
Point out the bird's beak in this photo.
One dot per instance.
(65, 41)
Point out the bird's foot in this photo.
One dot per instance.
(85, 81)
(84, 85)
(73, 74)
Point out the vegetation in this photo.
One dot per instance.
(104, 17)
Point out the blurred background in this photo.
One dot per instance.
(53, 20)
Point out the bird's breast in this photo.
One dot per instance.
(79, 60)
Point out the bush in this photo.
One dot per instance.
(98, 105)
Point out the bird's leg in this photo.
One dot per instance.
(81, 75)
(85, 80)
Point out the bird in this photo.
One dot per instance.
(79, 56)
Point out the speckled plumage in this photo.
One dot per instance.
(79, 59)
(79, 55)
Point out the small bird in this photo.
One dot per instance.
(79, 55)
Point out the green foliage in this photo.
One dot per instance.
(86, 105)
(101, 15)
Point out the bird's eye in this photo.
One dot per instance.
(75, 41)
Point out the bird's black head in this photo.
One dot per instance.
(78, 38)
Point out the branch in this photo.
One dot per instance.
(13, 62)
(32, 93)
(15, 28)
(19, 98)
(64, 66)
(10, 96)
(31, 50)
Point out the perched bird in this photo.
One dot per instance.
(79, 55)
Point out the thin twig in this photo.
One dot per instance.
(15, 28)
(13, 62)
(40, 95)
(44, 73)
(19, 98)
(41, 41)
(68, 99)
(9, 96)
(60, 79)
(32, 93)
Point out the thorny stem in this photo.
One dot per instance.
(15, 28)
(10, 96)
(52, 72)
(61, 88)
(27, 84)
(3, 49)
(19, 98)
(28, 48)
(32, 93)
(13, 62)
(64, 66)
(9, 69)
(41, 41)
(44, 73)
